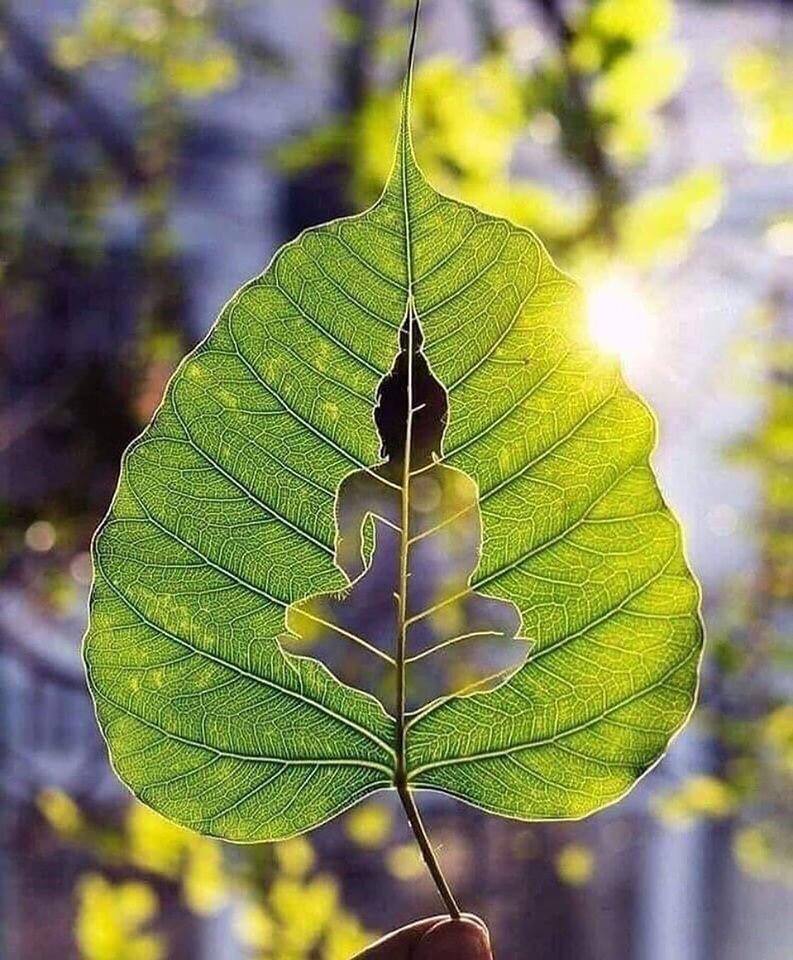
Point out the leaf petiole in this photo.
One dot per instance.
(427, 853)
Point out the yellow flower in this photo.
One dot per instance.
(295, 857)
(204, 882)
(701, 796)
(345, 938)
(254, 927)
(303, 910)
(60, 810)
(110, 917)
(404, 862)
(369, 825)
(155, 844)
(575, 864)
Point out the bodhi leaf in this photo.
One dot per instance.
(225, 521)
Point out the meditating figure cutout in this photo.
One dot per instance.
(454, 636)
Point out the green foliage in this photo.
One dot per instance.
(623, 49)
(752, 788)
(171, 40)
(224, 517)
(661, 223)
(595, 97)
(756, 727)
(467, 120)
(763, 80)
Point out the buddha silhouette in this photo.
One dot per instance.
(454, 636)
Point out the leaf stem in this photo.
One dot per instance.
(427, 853)
(411, 318)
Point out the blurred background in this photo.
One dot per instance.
(154, 154)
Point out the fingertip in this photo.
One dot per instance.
(399, 944)
(463, 939)
(479, 921)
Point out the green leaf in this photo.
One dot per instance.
(224, 517)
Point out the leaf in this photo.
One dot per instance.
(224, 517)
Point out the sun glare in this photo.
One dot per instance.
(619, 319)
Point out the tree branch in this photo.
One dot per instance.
(31, 54)
(602, 175)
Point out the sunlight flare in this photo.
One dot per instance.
(620, 321)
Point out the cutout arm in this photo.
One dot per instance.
(351, 511)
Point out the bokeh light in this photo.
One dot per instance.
(620, 322)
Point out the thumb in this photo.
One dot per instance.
(463, 939)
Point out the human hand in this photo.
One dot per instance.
(436, 938)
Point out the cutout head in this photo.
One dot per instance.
(430, 403)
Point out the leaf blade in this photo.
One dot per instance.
(233, 486)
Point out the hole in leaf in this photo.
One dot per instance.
(454, 636)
